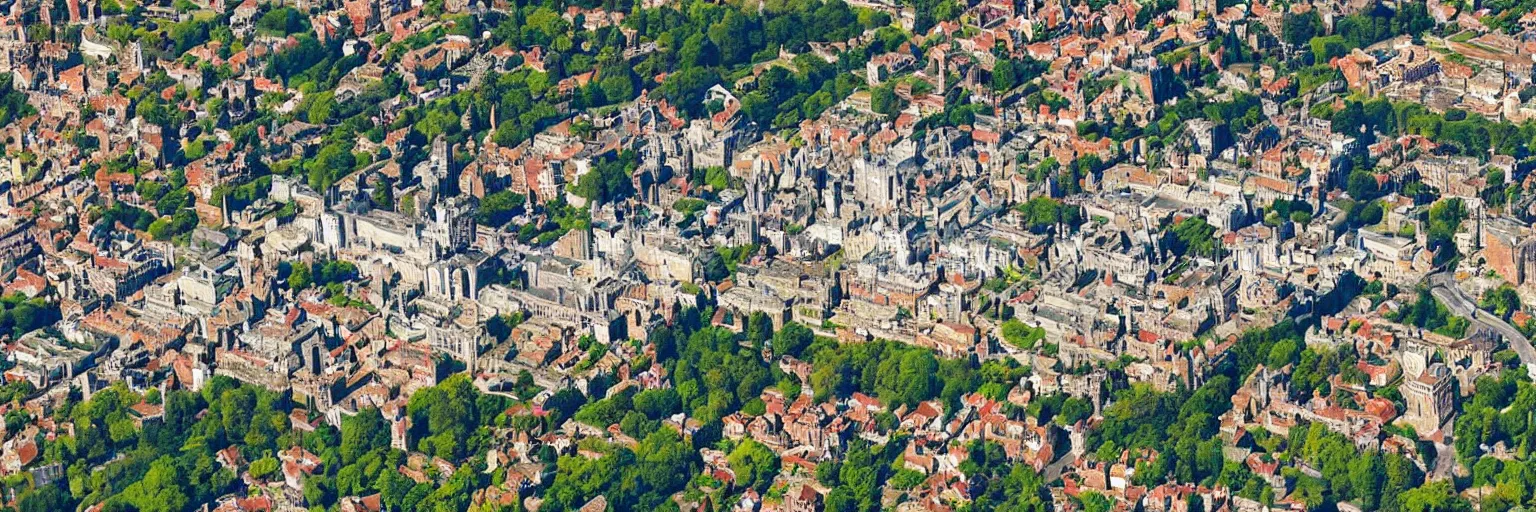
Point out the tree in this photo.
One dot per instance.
(759, 327)
(318, 490)
(1299, 29)
(160, 490)
(329, 164)
(883, 100)
(754, 464)
(444, 416)
(1325, 48)
(1502, 301)
(1349, 120)
(299, 276)
(1486, 471)
(714, 267)
(657, 404)
(697, 53)
(361, 433)
(563, 404)
(618, 85)
(609, 180)
(1095, 502)
(392, 488)
(1073, 410)
(1428, 313)
(1194, 236)
(1284, 353)
(383, 197)
(731, 36)
(281, 21)
(333, 271)
(20, 315)
(1362, 186)
(408, 205)
(792, 340)
(666, 461)
(1043, 212)
(13, 103)
(1003, 76)
(917, 372)
(1021, 335)
(50, 497)
(1434, 496)
(498, 208)
(1445, 218)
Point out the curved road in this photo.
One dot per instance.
(1443, 286)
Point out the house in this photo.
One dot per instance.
(806, 499)
(371, 503)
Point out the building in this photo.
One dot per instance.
(1510, 250)
(1430, 399)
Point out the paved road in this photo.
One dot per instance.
(1053, 471)
(1445, 461)
(1443, 286)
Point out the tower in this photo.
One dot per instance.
(434, 171)
(136, 56)
(1428, 398)
(1477, 236)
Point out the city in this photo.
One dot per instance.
(770, 255)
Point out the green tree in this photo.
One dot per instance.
(883, 100)
(361, 433)
(444, 416)
(618, 86)
(299, 276)
(730, 35)
(1325, 48)
(498, 208)
(1003, 76)
(1434, 496)
(383, 197)
(1445, 217)
(319, 490)
(1021, 335)
(160, 490)
(759, 327)
(1299, 29)
(1194, 236)
(1044, 212)
(754, 464)
(792, 340)
(1284, 353)
(1502, 301)
(1362, 186)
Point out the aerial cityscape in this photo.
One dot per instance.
(767, 255)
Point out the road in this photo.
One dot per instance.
(1053, 471)
(1445, 461)
(1443, 286)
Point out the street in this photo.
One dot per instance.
(1443, 286)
